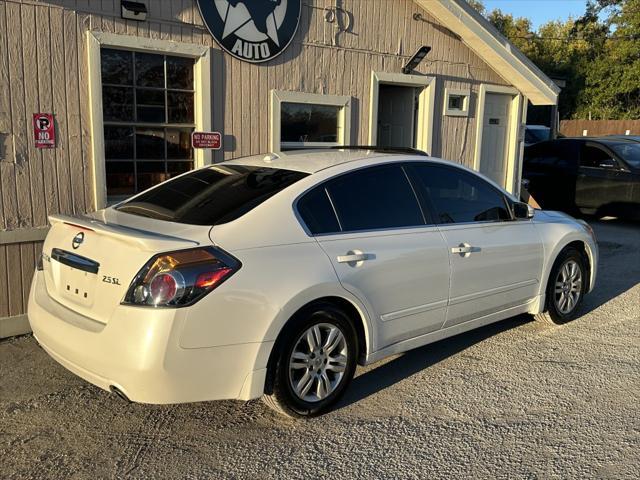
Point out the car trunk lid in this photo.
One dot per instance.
(89, 262)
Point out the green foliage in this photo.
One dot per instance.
(612, 81)
(597, 54)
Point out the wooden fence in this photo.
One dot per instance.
(599, 128)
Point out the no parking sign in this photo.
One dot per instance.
(44, 132)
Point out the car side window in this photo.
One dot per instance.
(375, 198)
(548, 155)
(458, 196)
(594, 157)
(317, 213)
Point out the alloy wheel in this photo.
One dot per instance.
(568, 287)
(318, 362)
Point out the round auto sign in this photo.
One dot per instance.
(252, 30)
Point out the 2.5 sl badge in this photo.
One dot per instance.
(252, 30)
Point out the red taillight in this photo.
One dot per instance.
(163, 288)
(177, 279)
(209, 279)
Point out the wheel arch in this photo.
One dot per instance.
(581, 246)
(354, 312)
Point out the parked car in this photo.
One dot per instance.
(593, 176)
(535, 134)
(274, 276)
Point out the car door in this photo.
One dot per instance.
(496, 262)
(629, 154)
(550, 169)
(382, 248)
(602, 181)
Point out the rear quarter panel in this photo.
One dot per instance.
(256, 302)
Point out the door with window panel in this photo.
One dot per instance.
(371, 226)
(495, 261)
(148, 114)
(601, 181)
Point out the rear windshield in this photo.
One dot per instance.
(211, 196)
(535, 135)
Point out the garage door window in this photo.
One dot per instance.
(148, 112)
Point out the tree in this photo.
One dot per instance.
(612, 80)
(598, 54)
(517, 29)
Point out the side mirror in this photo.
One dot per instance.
(523, 211)
(608, 163)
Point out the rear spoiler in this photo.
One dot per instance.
(151, 240)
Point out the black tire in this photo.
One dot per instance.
(553, 312)
(280, 394)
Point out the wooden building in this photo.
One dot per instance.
(127, 82)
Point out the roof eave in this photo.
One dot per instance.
(481, 37)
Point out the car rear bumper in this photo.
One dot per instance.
(138, 353)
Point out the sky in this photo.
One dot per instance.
(539, 11)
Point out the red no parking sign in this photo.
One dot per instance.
(44, 131)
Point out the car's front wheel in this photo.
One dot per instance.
(315, 362)
(566, 288)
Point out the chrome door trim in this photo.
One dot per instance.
(413, 310)
(492, 291)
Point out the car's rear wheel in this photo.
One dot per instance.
(314, 364)
(566, 288)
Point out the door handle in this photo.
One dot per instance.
(353, 256)
(464, 250)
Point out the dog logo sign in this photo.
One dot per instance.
(252, 30)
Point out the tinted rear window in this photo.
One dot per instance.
(552, 154)
(375, 198)
(317, 213)
(213, 195)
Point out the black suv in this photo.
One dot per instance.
(594, 176)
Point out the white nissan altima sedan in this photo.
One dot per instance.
(273, 276)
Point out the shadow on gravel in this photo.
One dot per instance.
(619, 265)
(619, 244)
(416, 360)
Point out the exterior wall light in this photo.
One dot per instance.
(133, 10)
(416, 59)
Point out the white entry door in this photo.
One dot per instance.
(495, 137)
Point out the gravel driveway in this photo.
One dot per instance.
(517, 399)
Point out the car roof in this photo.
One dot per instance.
(312, 161)
(630, 138)
(323, 160)
(612, 140)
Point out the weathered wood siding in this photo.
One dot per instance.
(17, 263)
(43, 68)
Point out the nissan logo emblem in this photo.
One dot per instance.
(77, 240)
